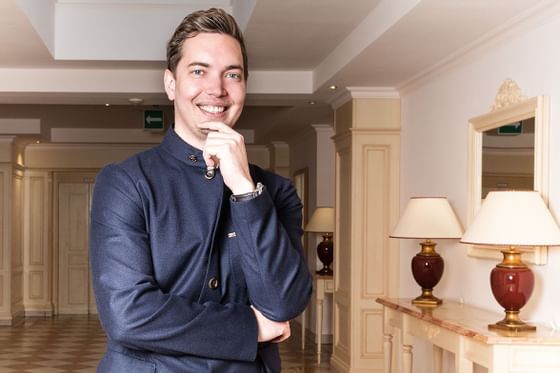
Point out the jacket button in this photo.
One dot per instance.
(193, 158)
(213, 283)
(210, 173)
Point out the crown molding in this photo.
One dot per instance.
(517, 25)
(350, 93)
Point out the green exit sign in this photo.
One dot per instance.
(153, 120)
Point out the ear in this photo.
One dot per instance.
(169, 84)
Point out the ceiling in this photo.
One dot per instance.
(93, 52)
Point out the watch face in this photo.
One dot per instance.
(259, 188)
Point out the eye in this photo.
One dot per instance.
(232, 75)
(197, 72)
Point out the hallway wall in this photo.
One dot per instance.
(435, 115)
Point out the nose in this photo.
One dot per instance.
(215, 86)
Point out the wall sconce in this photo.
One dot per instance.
(427, 218)
(322, 221)
(512, 219)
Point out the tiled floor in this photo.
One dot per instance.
(76, 343)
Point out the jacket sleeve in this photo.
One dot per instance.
(134, 311)
(278, 280)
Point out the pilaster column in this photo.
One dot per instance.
(37, 243)
(11, 254)
(366, 264)
(281, 158)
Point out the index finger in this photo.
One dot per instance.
(217, 126)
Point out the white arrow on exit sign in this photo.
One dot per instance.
(153, 120)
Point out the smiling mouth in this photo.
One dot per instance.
(213, 109)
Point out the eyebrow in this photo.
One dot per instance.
(204, 64)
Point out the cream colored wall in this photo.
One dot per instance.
(313, 149)
(435, 114)
(303, 148)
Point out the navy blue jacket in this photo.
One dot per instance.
(175, 264)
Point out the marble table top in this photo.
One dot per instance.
(471, 322)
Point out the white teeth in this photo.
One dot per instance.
(213, 109)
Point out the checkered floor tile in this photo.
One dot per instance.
(76, 343)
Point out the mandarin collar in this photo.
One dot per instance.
(182, 150)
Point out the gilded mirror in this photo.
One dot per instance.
(508, 149)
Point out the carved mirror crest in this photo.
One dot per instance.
(508, 149)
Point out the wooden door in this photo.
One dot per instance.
(75, 294)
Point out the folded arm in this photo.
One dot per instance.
(278, 280)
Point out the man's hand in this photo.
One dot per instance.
(226, 148)
(271, 331)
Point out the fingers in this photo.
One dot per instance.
(225, 148)
(271, 331)
(222, 142)
(285, 335)
(217, 127)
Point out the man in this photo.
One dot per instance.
(195, 254)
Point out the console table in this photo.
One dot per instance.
(462, 330)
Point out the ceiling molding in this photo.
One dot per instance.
(350, 93)
(501, 33)
(20, 126)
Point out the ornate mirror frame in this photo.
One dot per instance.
(510, 106)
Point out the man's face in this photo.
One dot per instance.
(208, 85)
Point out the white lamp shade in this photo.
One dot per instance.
(427, 218)
(513, 218)
(322, 220)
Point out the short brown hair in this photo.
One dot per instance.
(213, 20)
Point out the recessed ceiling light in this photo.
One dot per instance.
(333, 87)
(107, 105)
(135, 100)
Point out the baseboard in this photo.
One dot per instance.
(38, 313)
(39, 310)
(12, 319)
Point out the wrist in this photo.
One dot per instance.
(257, 191)
(245, 187)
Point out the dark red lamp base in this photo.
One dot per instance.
(512, 284)
(325, 254)
(427, 269)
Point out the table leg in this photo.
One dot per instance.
(303, 322)
(319, 328)
(463, 365)
(438, 359)
(407, 359)
(388, 351)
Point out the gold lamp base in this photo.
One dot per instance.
(512, 322)
(427, 299)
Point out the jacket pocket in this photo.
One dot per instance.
(117, 362)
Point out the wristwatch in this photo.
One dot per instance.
(247, 196)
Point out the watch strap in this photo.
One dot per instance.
(247, 196)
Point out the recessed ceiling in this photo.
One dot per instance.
(93, 52)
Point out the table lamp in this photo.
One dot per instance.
(427, 218)
(322, 221)
(512, 219)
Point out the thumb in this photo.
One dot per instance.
(210, 160)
